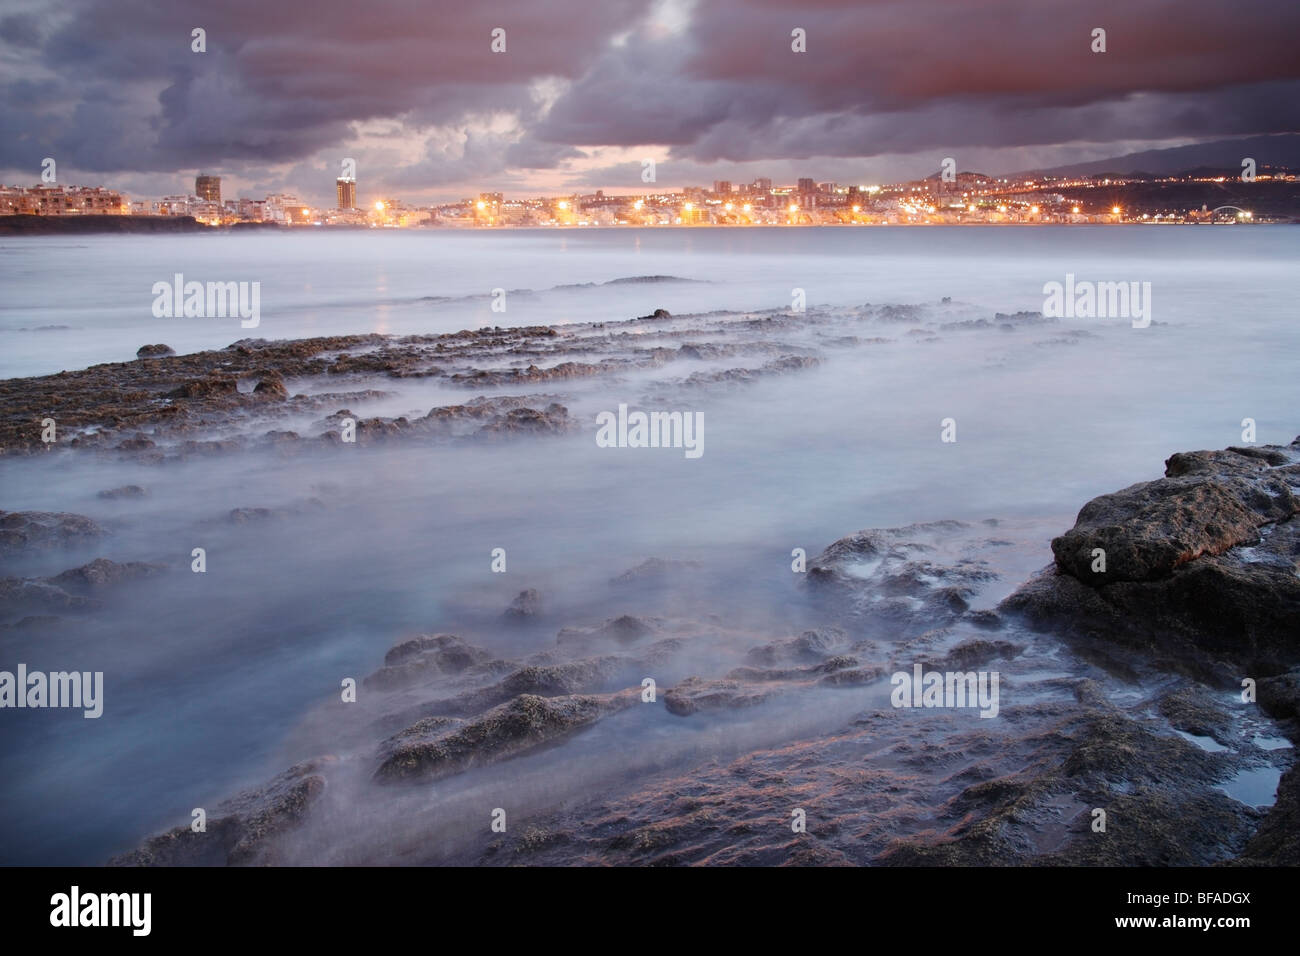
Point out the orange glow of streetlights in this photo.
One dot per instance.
(1033, 210)
(379, 206)
(1115, 210)
(562, 204)
(480, 205)
(747, 207)
(794, 208)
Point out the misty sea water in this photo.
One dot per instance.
(205, 682)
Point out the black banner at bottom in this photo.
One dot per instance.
(1224, 904)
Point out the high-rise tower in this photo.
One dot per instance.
(347, 189)
(208, 188)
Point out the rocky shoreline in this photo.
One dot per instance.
(1200, 580)
(292, 394)
(1147, 672)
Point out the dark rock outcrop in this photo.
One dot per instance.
(812, 645)
(695, 694)
(1277, 841)
(546, 680)
(1279, 695)
(242, 830)
(1200, 567)
(895, 575)
(33, 530)
(519, 726)
(527, 604)
(126, 491)
(1149, 530)
(34, 597)
(617, 631)
(655, 570)
(271, 388)
(154, 351)
(76, 590)
(425, 657)
(206, 388)
(103, 573)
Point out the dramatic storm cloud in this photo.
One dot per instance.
(412, 90)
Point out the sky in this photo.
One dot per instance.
(587, 90)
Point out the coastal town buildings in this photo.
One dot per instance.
(964, 199)
(51, 200)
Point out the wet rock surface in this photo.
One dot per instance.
(616, 632)
(695, 694)
(425, 657)
(38, 530)
(126, 491)
(76, 590)
(241, 831)
(1147, 531)
(523, 724)
(527, 604)
(154, 351)
(891, 575)
(1200, 568)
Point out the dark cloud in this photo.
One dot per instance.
(897, 55)
(899, 77)
(280, 80)
(112, 86)
(21, 30)
(530, 154)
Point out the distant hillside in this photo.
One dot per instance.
(1282, 149)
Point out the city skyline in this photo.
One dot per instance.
(949, 197)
